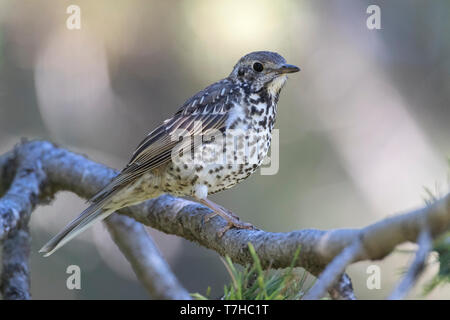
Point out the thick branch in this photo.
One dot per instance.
(318, 248)
(22, 175)
(23, 194)
(7, 168)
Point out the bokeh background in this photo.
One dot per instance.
(364, 127)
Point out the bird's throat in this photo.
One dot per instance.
(275, 86)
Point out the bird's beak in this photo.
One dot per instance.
(288, 68)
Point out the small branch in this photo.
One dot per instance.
(343, 289)
(417, 266)
(23, 193)
(335, 270)
(25, 176)
(145, 259)
(15, 279)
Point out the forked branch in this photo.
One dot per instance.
(35, 171)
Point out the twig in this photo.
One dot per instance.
(23, 193)
(334, 271)
(150, 268)
(417, 266)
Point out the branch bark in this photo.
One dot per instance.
(15, 277)
(65, 170)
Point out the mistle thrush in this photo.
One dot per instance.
(241, 107)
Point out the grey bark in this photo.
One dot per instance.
(15, 279)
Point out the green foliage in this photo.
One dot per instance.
(442, 247)
(254, 283)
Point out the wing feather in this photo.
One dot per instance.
(207, 108)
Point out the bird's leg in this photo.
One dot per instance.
(212, 215)
(231, 213)
(232, 219)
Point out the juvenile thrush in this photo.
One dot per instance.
(241, 107)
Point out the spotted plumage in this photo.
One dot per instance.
(216, 139)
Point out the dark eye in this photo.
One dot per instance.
(258, 67)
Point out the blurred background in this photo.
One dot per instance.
(364, 127)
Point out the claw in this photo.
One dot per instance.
(239, 225)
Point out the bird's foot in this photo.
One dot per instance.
(209, 217)
(235, 224)
(232, 219)
(235, 216)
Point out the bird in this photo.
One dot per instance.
(241, 107)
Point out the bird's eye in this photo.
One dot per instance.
(258, 67)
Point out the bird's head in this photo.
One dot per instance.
(263, 69)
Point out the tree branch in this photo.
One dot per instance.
(416, 268)
(6, 171)
(146, 260)
(335, 270)
(65, 170)
(23, 194)
(15, 279)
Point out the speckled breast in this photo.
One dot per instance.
(224, 161)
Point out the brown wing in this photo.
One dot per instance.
(209, 106)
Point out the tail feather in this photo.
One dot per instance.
(86, 219)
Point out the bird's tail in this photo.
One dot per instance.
(86, 219)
